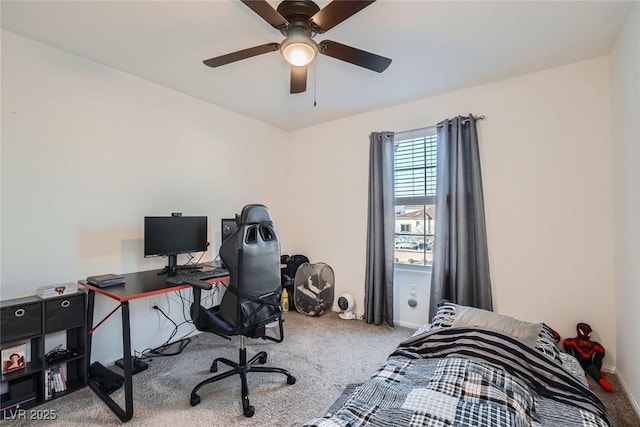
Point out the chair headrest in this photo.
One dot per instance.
(252, 214)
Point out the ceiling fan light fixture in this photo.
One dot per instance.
(299, 21)
(299, 51)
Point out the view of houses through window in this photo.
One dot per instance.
(414, 241)
(415, 191)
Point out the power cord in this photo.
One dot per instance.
(58, 354)
(190, 260)
(186, 301)
(163, 349)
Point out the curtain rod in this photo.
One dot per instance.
(470, 116)
(464, 118)
(480, 117)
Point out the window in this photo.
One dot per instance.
(415, 188)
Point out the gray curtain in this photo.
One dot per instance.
(378, 293)
(461, 262)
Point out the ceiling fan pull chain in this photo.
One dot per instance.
(315, 74)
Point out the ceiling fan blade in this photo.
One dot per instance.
(336, 12)
(241, 54)
(267, 12)
(298, 79)
(355, 56)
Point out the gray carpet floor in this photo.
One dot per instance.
(617, 403)
(325, 354)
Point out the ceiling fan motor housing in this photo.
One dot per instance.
(298, 11)
(298, 48)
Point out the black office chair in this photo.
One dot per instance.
(251, 301)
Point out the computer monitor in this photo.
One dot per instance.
(228, 226)
(172, 235)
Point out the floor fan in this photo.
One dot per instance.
(346, 304)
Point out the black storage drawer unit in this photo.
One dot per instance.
(24, 322)
(64, 313)
(21, 321)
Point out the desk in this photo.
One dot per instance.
(138, 285)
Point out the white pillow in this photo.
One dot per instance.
(526, 332)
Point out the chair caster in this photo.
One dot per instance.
(195, 399)
(214, 367)
(249, 411)
(291, 379)
(262, 359)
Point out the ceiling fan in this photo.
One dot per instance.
(299, 21)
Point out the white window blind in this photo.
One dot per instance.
(415, 170)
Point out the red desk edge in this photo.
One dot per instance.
(105, 291)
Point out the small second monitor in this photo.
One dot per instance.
(228, 227)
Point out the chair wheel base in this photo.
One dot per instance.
(195, 399)
(291, 380)
(249, 411)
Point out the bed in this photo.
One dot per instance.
(472, 367)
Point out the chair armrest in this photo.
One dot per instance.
(199, 284)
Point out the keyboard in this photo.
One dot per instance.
(183, 276)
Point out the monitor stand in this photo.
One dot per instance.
(172, 266)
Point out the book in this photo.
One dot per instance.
(50, 388)
(62, 378)
(58, 382)
(104, 280)
(48, 394)
(14, 358)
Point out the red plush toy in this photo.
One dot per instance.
(588, 353)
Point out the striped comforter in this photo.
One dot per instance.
(463, 376)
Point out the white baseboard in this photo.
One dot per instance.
(609, 369)
(409, 325)
(634, 402)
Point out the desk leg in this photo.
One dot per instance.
(128, 376)
(127, 413)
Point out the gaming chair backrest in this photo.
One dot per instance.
(252, 256)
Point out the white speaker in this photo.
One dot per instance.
(346, 304)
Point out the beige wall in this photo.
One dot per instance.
(75, 134)
(546, 158)
(625, 108)
(88, 151)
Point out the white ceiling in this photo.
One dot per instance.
(436, 47)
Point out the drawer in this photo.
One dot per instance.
(21, 321)
(64, 313)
